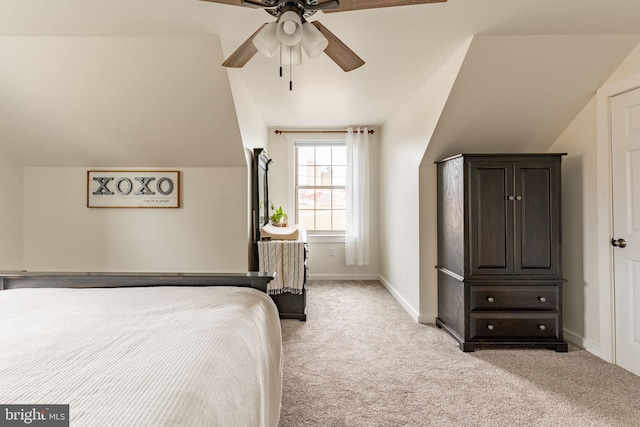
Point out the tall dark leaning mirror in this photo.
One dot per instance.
(260, 198)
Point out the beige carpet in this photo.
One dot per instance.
(360, 360)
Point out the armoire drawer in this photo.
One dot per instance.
(514, 326)
(517, 297)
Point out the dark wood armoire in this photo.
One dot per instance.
(499, 250)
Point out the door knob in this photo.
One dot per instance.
(620, 243)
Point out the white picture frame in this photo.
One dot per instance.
(133, 189)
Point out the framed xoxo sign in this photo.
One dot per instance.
(133, 189)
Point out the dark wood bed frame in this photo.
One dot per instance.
(27, 279)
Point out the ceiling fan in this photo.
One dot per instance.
(291, 33)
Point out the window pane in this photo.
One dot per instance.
(323, 220)
(323, 199)
(339, 175)
(306, 199)
(306, 175)
(323, 155)
(339, 199)
(339, 220)
(323, 175)
(340, 156)
(306, 155)
(306, 219)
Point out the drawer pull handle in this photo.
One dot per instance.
(490, 299)
(542, 299)
(542, 327)
(490, 327)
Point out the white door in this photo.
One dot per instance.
(625, 127)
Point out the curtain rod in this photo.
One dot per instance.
(278, 131)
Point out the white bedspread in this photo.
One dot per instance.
(163, 356)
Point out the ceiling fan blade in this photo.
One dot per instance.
(244, 53)
(346, 5)
(231, 2)
(245, 3)
(338, 51)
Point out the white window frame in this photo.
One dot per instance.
(292, 139)
(315, 143)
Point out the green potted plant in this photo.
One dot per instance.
(278, 217)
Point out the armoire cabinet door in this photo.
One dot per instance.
(513, 217)
(537, 246)
(490, 184)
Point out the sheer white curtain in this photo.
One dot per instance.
(357, 233)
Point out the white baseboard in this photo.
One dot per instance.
(590, 346)
(409, 309)
(343, 277)
(427, 319)
(573, 338)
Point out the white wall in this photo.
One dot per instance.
(252, 127)
(10, 213)
(403, 217)
(253, 131)
(207, 234)
(321, 264)
(428, 244)
(586, 320)
(579, 217)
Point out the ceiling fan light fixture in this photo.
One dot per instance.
(289, 28)
(266, 41)
(313, 41)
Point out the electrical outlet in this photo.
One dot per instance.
(332, 251)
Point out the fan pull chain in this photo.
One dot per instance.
(290, 66)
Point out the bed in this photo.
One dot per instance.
(142, 349)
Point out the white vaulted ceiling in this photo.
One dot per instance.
(104, 101)
(95, 82)
(518, 93)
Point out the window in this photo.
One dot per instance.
(321, 171)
